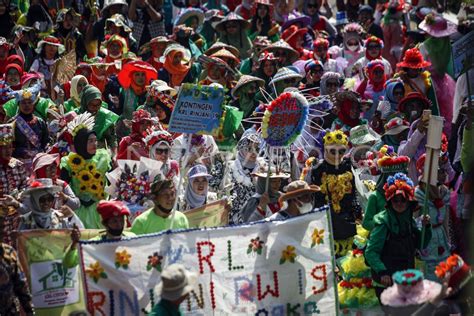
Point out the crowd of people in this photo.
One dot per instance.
(86, 85)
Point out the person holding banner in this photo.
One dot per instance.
(161, 217)
(393, 241)
(197, 191)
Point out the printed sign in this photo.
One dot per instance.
(198, 110)
(463, 54)
(263, 268)
(209, 215)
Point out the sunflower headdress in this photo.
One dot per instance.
(336, 137)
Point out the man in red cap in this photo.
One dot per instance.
(114, 215)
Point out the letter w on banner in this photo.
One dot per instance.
(279, 267)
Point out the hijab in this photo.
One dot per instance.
(42, 218)
(74, 93)
(138, 90)
(246, 102)
(377, 86)
(194, 200)
(177, 72)
(88, 94)
(80, 143)
(344, 114)
(239, 40)
(388, 96)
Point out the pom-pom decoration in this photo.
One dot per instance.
(284, 119)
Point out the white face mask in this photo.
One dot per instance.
(353, 48)
(305, 208)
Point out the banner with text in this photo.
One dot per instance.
(209, 215)
(56, 290)
(265, 268)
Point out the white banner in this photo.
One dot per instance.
(265, 268)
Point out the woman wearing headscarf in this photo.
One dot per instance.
(197, 192)
(372, 87)
(232, 32)
(104, 124)
(239, 178)
(132, 147)
(41, 213)
(13, 75)
(160, 102)
(159, 144)
(319, 22)
(351, 50)
(261, 23)
(349, 105)
(178, 67)
(77, 84)
(85, 170)
(264, 203)
(244, 93)
(331, 82)
(394, 92)
(373, 50)
(267, 68)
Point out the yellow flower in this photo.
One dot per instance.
(288, 254)
(317, 237)
(95, 271)
(122, 259)
(90, 166)
(76, 162)
(85, 177)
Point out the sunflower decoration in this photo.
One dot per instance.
(76, 162)
(85, 177)
(90, 166)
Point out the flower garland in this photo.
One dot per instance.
(337, 186)
(91, 180)
(336, 137)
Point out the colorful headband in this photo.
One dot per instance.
(399, 184)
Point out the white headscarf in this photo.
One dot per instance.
(42, 218)
(74, 93)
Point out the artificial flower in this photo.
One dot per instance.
(96, 272)
(288, 254)
(76, 162)
(122, 259)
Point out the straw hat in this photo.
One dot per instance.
(293, 55)
(413, 59)
(286, 73)
(361, 135)
(176, 47)
(124, 77)
(119, 20)
(298, 188)
(224, 53)
(231, 17)
(188, 13)
(437, 26)
(50, 40)
(218, 46)
(245, 79)
(160, 86)
(176, 282)
(109, 3)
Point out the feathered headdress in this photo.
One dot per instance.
(31, 93)
(85, 120)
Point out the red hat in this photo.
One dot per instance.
(291, 32)
(125, 78)
(16, 59)
(109, 209)
(14, 66)
(414, 96)
(321, 42)
(413, 59)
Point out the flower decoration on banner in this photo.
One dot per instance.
(96, 272)
(284, 119)
(255, 245)
(122, 259)
(154, 262)
(317, 237)
(336, 137)
(288, 254)
(89, 178)
(336, 187)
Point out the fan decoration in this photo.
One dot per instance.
(131, 181)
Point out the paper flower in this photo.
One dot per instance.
(96, 272)
(154, 262)
(288, 254)
(76, 162)
(336, 186)
(255, 245)
(122, 259)
(317, 237)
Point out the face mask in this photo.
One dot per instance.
(353, 48)
(305, 208)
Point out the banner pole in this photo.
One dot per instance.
(427, 194)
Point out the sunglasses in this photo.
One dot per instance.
(45, 199)
(160, 151)
(334, 152)
(373, 47)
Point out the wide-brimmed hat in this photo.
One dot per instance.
(217, 46)
(176, 47)
(245, 79)
(213, 14)
(109, 3)
(6, 134)
(160, 86)
(341, 18)
(362, 134)
(262, 172)
(225, 54)
(298, 188)
(119, 21)
(231, 17)
(286, 73)
(409, 288)
(198, 171)
(42, 184)
(63, 12)
(188, 13)
(124, 77)
(176, 282)
(293, 55)
(395, 126)
(50, 40)
(43, 159)
(266, 3)
(437, 26)
(413, 59)
(414, 96)
(293, 31)
(296, 17)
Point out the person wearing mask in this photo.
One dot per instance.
(395, 237)
(335, 179)
(351, 50)
(85, 169)
(373, 50)
(162, 216)
(114, 215)
(297, 200)
(41, 214)
(197, 192)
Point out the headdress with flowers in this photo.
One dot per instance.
(373, 39)
(455, 270)
(399, 184)
(336, 137)
(155, 137)
(353, 28)
(85, 120)
(31, 93)
(388, 161)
